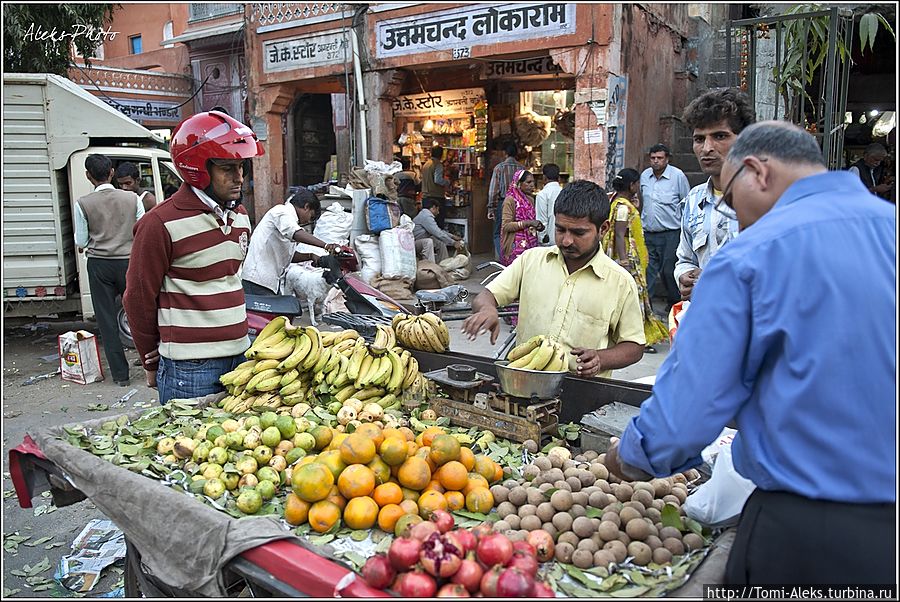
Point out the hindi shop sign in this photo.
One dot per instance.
(142, 111)
(519, 68)
(304, 52)
(466, 27)
(447, 102)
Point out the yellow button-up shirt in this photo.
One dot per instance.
(597, 307)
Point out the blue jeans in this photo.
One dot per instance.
(661, 250)
(187, 379)
(497, 227)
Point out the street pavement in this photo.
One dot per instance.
(30, 350)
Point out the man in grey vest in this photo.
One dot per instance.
(104, 221)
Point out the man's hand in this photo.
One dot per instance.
(483, 321)
(151, 358)
(881, 188)
(614, 464)
(588, 361)
(330, 247)
(686, 283)
(460, 245)
(151, 378)
(537, 225)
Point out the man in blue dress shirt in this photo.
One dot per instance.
(791, 333)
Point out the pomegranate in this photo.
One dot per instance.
(482, 530)
(404, 553)
(524, 546)
(423, 530)
(494, 548)
(523, 561)
(514, 583)
(440, 555)
(489, 582)
(469, 575)
(465, 539)
(453, 590)
(543, 544)
(443, 520)
(378, 571)
(415, 584)
(542, 590)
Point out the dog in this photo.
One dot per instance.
(310, 284)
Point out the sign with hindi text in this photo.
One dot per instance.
(519, 68)
(435, 104)
(306, 51)
(471, 26)
(142, 111)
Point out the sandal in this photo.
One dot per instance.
(649, 349)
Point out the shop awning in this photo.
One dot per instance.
(197, 34)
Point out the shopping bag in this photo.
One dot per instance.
(79, 357)
(676, 314)
(719, 501)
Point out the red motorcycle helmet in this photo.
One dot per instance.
(210, 135)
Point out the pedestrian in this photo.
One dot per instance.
(103, 220)
(184, 299)
(272, 245)
(520, 224)
(426, 227)
(501, 178)
(716, 119)
(406, 196)
(624, 244)
(870, 170)
(570, 292)
(804, 363)
(543, 202)
(128, 177)
(434, 183)
(663, 190)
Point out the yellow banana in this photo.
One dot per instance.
(387, 400)
(328, 338)
(346, 335)
(302, 346)
(381, 376)
(243, 377)
(398, 318)
(258, 378)
(265, 365)
(412, 371)
(542, 357)
(276, 352)
(237, 390)
(433, 339)
(525, 348)
(439, 327)
(356, 360)
(342, 346)
(525, 359)
(289, 377)
(334, 361)
(345, 393)
(291, 388)
(381, 339)
(324, 357)
(368, 364)
(313, 357)
(397, 372)
(368, 393)
(558, 363)
(274, 325)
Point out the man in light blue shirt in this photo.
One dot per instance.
(716, 119)
(545, 201)
(663, 189)
(791, 333)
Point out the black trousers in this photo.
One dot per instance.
(784, 538)
(106, 278)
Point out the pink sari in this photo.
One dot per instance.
(525, 211)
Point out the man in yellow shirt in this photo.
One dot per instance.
(571, 292)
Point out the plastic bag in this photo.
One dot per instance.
(334, 225)
(381, 214)
(398, 253)
(459, 266)
(79, 357)
(369, 254)
(719, 501)
(676, 315)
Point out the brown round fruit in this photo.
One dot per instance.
(603, 558)
(583, 527)
(590, 454)
(562, 521)
(568, 537)
(549, 528)
(613, 517)
(637, 529)
(501, 526)
(543, 463)
(527, 510)
(577, 510)
(531, 472)
(636, 505)
(517, 495)
(570, 472)
(583, 559)
(500, 493)
(692, 542)
(643, 496)
(588, 544)
(530, 523)
(674, 546)
(608, 530)
(667, 532)
(617, 549)
(641, 552)
(504, 509)
(599, 470)
(653, 541)
(598, 500)
(561, 484)
(662, 556)
(546, 511)
(580, 498)
(514, 521)
(564, 552)
(623, 492)
(535, 497)
(661, 487)
(561, 500)
(574, 483)
(627, 514)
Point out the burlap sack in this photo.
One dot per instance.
(396, 288)
(430, 275)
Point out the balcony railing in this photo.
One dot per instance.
(269, 14)
(133, 80)
(202, 12)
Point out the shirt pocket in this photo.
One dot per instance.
(588, 331)
(698, 235)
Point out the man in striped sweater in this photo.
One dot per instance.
(183, 297)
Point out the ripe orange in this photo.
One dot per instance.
(411, 448)
(387, 493)
(455, 500)
(475, 480)
(356, 480)
(322, 435)
(444, 448)
(336, 441)
(453, 476)
(498, 473)
(335, 497)
(357, 449)
(332, 461)
(312, 482)
(296, 511)
(381, 470)
(467, 458)
(361, 513)
(410, 506)
(393, 451)
(410, 494)
(430, 501)
(479, 499)
(485, 467)
(392, 432)
(323, 516)
(428, 435)
(388, 517)
(371, 431)
(414, 473)
(434, 485)
(408, 433)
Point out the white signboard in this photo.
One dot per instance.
(593, 136)
(447, 102)
(141, 111)
(304, 52)
(518, 68)
(460, 28)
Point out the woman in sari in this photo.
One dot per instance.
(624, 243)
(520, 224)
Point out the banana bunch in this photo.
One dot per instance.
(539, 353)
(424, 333)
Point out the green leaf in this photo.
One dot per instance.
(670, 517)
(868, 26)
(384, 545)
(38, 542)
(18, 573)
(629, 592)
(359, 535)
(355, 559)
(477, 515)
(321, 540)
(8, 593)
(886, 23)
(592, 512)
(579, 575)
(576, 591)
(693, 525)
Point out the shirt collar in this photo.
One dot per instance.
(106, 186)
(667, 173)
(708, 196)
(597, 262)
(825, 181)
(207, 200)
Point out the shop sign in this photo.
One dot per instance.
(615, 124)
(472, 26)
(504, 69)
(142, 111)
(304, 52)
(447, 102)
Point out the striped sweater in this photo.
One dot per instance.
(183, 289)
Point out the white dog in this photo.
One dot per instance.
(306, 282)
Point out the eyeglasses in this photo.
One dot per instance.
(725, 205)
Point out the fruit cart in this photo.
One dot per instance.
(182, 548)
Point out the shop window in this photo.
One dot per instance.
(167, 34)
(557, 148)
(135, 44)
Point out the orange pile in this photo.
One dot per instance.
(376, 476)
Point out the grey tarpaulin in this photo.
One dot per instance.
(183, 542)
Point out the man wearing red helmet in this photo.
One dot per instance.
(183, 296)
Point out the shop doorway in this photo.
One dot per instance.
(312, 139)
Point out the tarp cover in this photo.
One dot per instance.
(182, 541)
